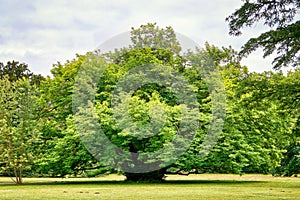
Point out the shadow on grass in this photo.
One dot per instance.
(121, 182)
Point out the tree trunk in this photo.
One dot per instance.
(155, 176)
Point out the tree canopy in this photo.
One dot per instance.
(15, 70)
(149, 109)
(283, 38)
(18, 126)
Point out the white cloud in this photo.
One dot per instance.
(41, 33)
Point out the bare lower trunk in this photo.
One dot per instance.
(155, 176)
(18, 175)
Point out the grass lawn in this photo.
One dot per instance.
(206, 186)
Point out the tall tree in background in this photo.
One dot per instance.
(284, 39)
(152, 36)
(281, 91)
(19, 118)
(16, 70)
(253, 136)
(18, 126)
(61, 151)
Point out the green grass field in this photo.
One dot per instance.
(206, 186)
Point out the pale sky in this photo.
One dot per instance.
(41, 33)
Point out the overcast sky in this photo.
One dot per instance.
(41, 33)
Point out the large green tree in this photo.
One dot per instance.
(98, 84)
(283, 38)
(250, 141)
(152, 109)
(58, 129)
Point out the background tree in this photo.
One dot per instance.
(67, 155)
(18, 126)
(284, 39)
(255, 133)
(152, 36)
(283, 91)
(61, 151)
(16, 70)
(262, 128)
(290, 162)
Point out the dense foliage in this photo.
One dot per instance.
(19, 119)
(42, 132)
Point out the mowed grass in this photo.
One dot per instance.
(206, 186)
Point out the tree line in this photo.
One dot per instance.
(42, 135)
(260, 132)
